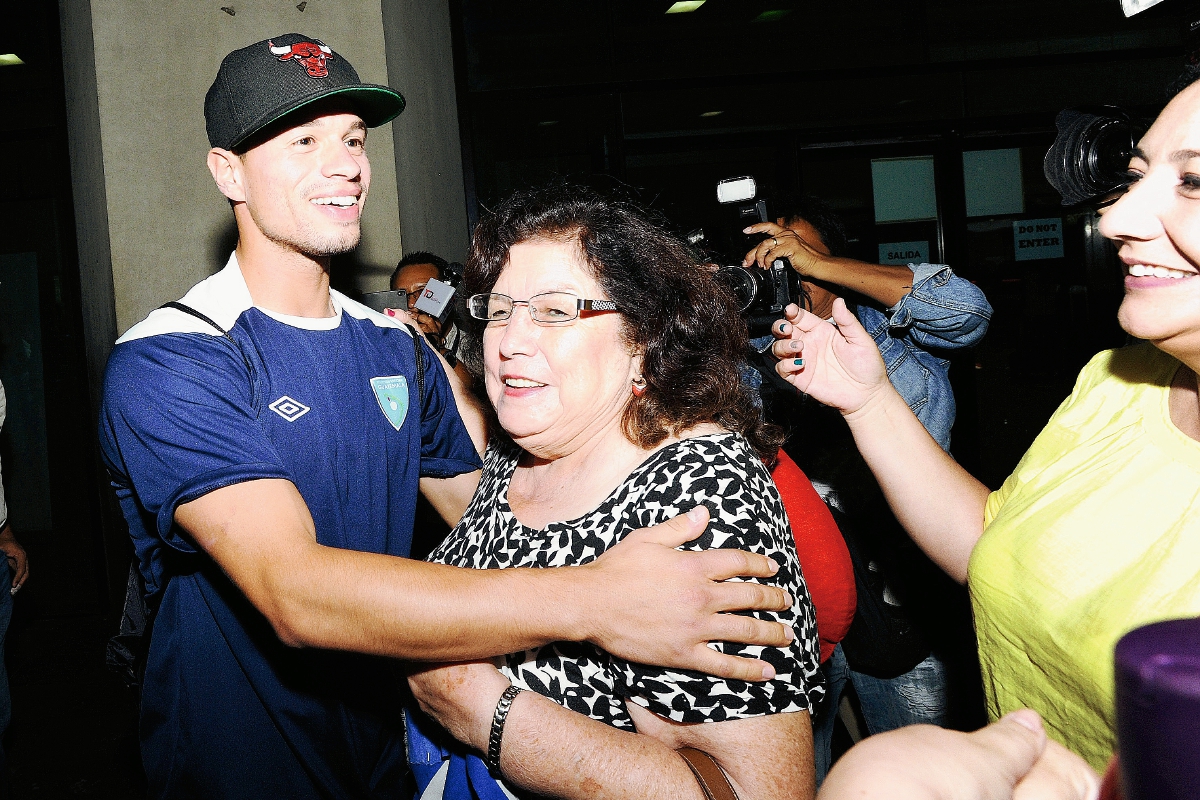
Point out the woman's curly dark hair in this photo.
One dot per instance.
(675, 313)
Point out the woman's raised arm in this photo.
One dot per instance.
(938, 502)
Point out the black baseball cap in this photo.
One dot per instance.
(260, 84)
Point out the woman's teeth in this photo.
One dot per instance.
(343, 202)
(1147, 271)
(521, 383)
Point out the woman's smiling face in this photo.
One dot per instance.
(556, 386)
(1156, 227)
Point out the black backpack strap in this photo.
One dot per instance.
(416, 334)
(186, 309)
(193, 312)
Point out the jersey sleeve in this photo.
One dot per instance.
(179, 419)
(446, 447)
(746, 513)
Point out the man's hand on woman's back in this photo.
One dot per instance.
(653, 604)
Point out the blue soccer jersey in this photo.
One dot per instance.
(330, 405)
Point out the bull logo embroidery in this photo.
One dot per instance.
(312, 55)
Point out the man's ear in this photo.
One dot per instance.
(227, 172)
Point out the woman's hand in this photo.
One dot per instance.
(1058, 773)
(1009, 760)
(462, 697)
(805, 257)
(837, 364)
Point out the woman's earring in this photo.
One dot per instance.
(639, 387)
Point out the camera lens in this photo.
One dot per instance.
(1088, 158)
(743, 283)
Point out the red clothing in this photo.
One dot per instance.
(824, 558)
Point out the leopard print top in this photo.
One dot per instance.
(719, 470)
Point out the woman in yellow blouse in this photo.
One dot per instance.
(1098, 529)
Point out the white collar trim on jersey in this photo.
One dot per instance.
(224, 297)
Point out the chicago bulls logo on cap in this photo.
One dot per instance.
(312, 55)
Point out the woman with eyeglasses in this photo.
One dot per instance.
(611, 362)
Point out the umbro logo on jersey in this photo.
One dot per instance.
(289, 409)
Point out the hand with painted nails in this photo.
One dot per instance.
(836, 363)
(400, 314)
(1011, 759)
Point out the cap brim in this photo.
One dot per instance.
(377, 105)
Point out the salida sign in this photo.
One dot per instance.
(904, 253)
(1037, 238)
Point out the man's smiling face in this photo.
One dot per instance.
(305, 187)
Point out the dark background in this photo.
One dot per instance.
(619, 93)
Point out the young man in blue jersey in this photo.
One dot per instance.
(267, 437)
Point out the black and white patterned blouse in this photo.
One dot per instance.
(722, 472)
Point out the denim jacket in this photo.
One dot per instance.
(942, 312)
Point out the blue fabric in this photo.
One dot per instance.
(942, 312)
(228, 710)
(467, 776)
(837, 672)
(918, 697)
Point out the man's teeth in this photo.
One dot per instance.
(1147, 271)
(521, 383)
(342, 202)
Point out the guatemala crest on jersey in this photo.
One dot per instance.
(392, 394)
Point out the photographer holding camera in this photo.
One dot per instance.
(914, 313)
(412, 275)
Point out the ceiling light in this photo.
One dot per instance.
(773, 16)
(9, 60)
(712, 113)
(684, 6)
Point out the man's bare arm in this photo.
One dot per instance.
(641, 600)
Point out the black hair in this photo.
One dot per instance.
(1190, 74)
(421, 257)
(815, 212)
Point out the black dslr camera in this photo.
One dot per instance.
(760, 294)
(1089, 160)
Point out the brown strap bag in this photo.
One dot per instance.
(708, 774)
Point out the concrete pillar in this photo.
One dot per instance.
(429, 170)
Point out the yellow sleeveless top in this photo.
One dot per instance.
(1095, 533)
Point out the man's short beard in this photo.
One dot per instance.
(324, 246)
(312, 243)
